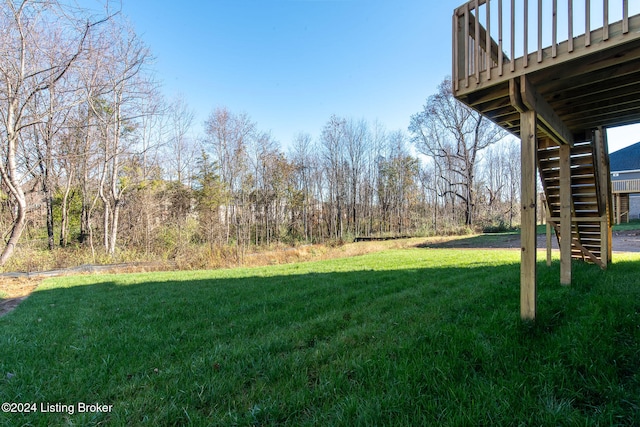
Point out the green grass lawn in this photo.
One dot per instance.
(402, 337)
(634, 224)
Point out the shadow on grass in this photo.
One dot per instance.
(395, 347)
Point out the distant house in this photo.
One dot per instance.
(625, 180)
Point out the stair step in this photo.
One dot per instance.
(585, 201)
(583, 170)
(582, 181)
(582, 160)
(581, 149)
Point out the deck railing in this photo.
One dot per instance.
(626, 186)
(489, 34)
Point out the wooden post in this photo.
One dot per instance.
(529, 149)
(618, 208)
(604, 181)
(609, 241)
(605, 241)
(548, 244)
(547, 221)
(565, 214)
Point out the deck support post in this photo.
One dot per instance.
(547, 213)
(565, 215)
(529, 150)
(604, 200)
(548, 235)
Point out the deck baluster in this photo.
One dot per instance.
(539, 30)
(488, 44)
(554, 30)
(570, 26)
(513, 34)
(605, 19)
(500, 54)
(466, 46)
(587, 23)
(479, 48)
(476, 44)
(525, 57)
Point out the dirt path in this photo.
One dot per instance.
(626, 241)
(14, 291)
(623, 241)
(15, 287)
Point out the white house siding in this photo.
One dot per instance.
(634, 206)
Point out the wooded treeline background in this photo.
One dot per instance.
(94, 157)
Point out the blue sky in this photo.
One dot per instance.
(291, 64)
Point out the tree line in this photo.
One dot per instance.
(93, 156)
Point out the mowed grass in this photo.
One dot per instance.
(402, 337)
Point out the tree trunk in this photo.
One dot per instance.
(64, 224)
(114, 229)
(50, 230)
(105, 220)
(17, 228)
(45, 165)
(45, 168)
(9, 174)
(10, 178)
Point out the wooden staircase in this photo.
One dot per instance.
(590, 196)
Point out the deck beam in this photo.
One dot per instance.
(534, 101)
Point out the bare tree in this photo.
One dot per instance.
(333, 145)
(117, 109)
(513, 178)
(495, 182)
(210, 195)
(397, 184)
(28, 29)
(302, 161)
(262, 153)
(453, 134)
(356, 144)
(227, 136)
(54, 107)
(182, 149)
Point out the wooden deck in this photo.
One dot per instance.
(621, 190)
(587, 82)
(626, 186)
(559, 99)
